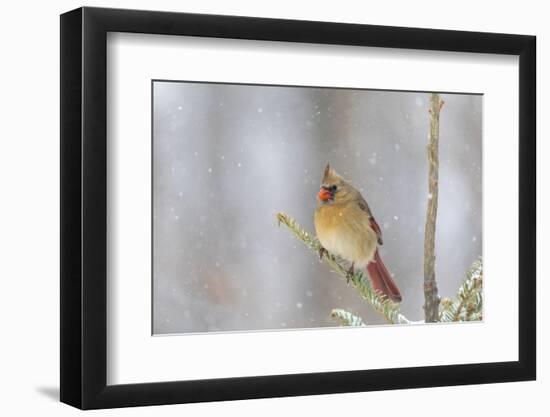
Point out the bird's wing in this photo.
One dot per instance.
(365, 207)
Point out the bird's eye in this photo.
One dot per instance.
(333, 188)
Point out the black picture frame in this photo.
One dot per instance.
(84, 207)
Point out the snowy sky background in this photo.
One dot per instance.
(227, 158)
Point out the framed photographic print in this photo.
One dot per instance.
(257, 207)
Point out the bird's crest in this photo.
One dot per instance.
(330, 176)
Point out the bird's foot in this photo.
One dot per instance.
(350, 273)
(322, 252)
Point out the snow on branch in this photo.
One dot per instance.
(345, 318)
(468, 303)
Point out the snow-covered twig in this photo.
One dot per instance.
(345, 318)
(468, 304)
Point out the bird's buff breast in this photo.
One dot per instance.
(346, 232)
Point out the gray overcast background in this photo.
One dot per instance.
(227, 158)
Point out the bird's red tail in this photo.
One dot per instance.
(381, 279)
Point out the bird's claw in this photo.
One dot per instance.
(322, 252)
(350, 273)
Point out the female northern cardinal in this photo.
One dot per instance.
(345, 226)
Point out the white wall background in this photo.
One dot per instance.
(29, 226)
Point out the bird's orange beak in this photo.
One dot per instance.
(324, 194)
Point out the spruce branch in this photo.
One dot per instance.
(431, 305)
(358, 280)
(345, 318)
(468, 303)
